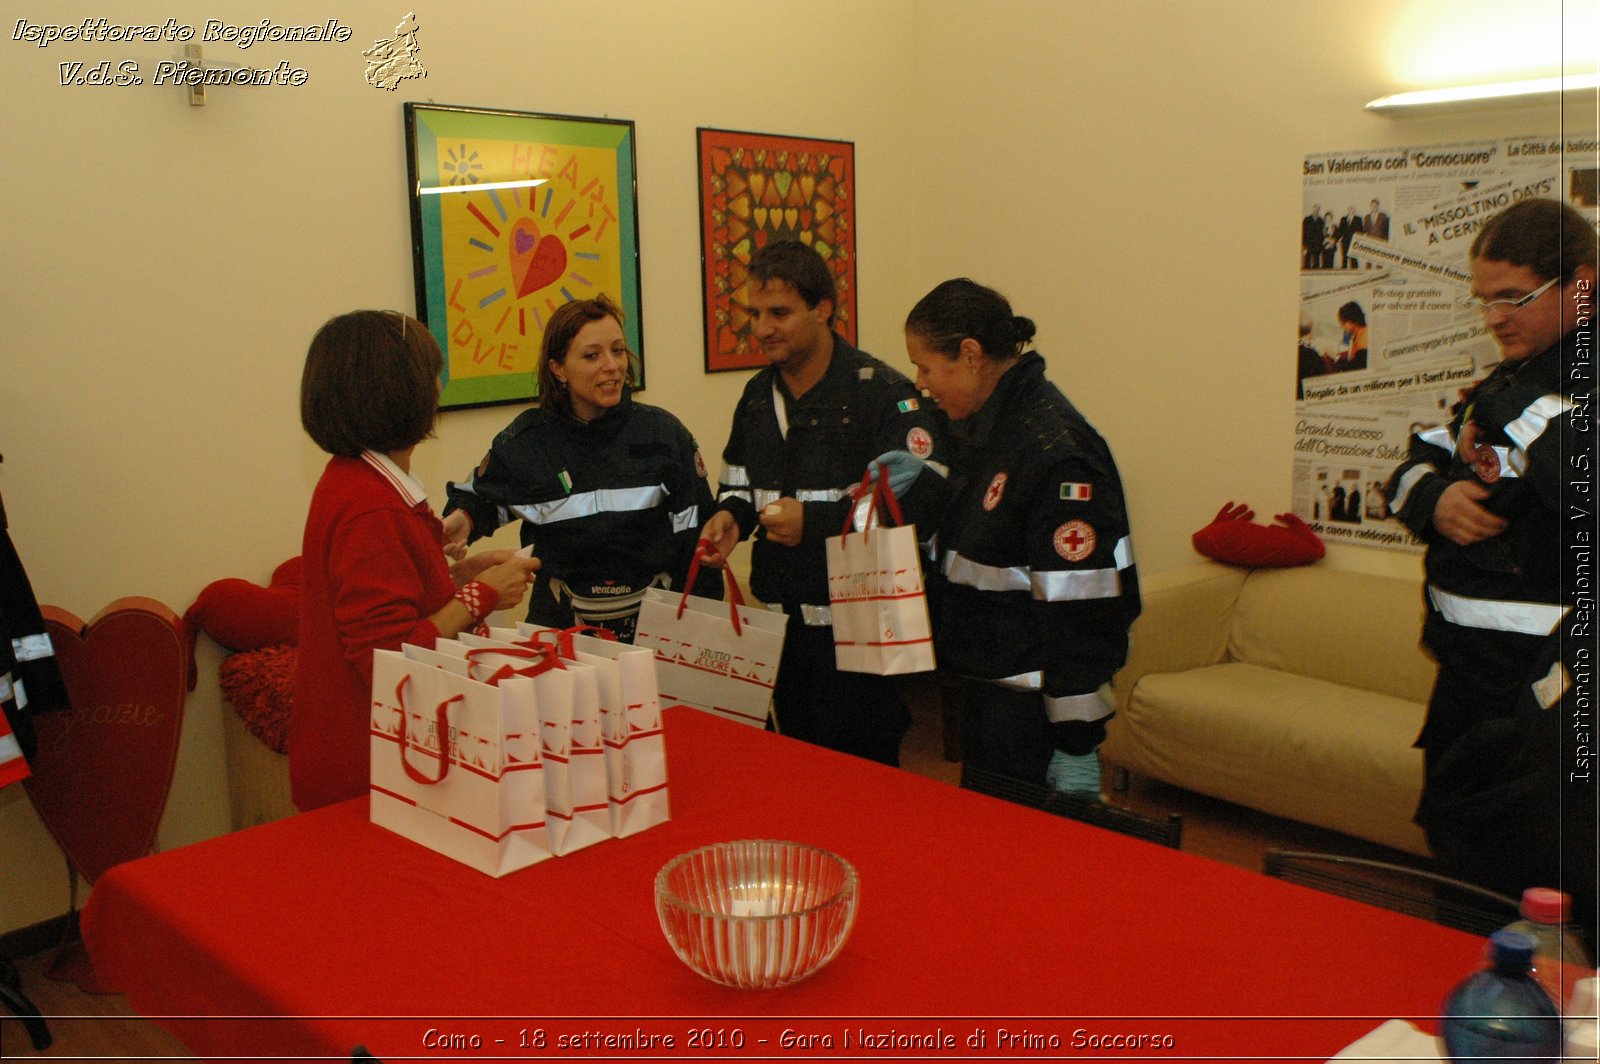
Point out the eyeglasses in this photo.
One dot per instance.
(1507, 306)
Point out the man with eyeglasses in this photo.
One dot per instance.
(1485, 493)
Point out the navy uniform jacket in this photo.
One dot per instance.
(1039, 583)
(608, 505)
(860, 409)
(1526, 417)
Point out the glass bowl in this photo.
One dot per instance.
(757, 913)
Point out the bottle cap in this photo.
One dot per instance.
(1511, 949)
(1544, 905)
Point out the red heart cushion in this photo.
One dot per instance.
(1232, 538)
(246, 616)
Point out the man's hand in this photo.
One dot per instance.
(784, 521)
(722, 535)
(457, 528)
(1460, 518)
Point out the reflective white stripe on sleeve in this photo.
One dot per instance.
(967, 572)
(1075, 707)
(1059, 585)
(938, 467)
(1530, 426)
(590, 503)
(32, 647)
(810, 616)
(1023, 681)
(1512, 462)
(822, 494)
(765, 497)
(1438, 436)
(735, 476)
(745, 495)
(686, 520)
(1527, 618)
(1076, 584)
(1402, 490)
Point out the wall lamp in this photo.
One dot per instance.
(1468, 97)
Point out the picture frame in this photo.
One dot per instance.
(757, 187)
(512, 214)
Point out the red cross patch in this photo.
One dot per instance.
(997, 488)
(919, 442)
(1074, 540)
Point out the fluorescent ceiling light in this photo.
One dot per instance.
(1467, 96)
(484, 186)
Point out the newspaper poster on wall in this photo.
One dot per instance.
(1387, 343)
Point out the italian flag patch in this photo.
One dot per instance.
(566, 481)
(907, 405)
(1075, 492)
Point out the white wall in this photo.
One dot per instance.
(1128, 173)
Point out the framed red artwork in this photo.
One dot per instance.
(756, 188)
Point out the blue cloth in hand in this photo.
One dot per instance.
(1075, 774)
(903, 466)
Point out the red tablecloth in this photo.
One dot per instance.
(976, 916)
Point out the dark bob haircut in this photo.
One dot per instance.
(563, 328)
(1546, 236)
(799, 265)
(371, 383)
(961, 308)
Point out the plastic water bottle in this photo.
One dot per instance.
(1501, 1011)
(1583, 1027)
(1559, 959)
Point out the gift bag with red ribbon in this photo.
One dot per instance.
(721, 657)
(875, 590)
(630, 719)
(456, 762)
(568, 699)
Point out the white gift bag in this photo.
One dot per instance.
(876, 594)
(630, 714)
(456, 764)
(721, 657)
(577, 813)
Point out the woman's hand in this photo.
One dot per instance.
(509, 576)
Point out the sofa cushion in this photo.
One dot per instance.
(1328, 624)
(1296, 747)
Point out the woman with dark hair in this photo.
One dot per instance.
(611, 492)
(1039, 584)
(375, 573)
(1353, 350)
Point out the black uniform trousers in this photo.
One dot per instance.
(1005, 731)
(853, 712)
(1481, 675)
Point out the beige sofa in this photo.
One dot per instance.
(1297, 692)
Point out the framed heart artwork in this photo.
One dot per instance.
(756, 188)
(512, 215)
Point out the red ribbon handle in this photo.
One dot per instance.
(735, 596)
(883, 490)
(441, 726)
(545, 654)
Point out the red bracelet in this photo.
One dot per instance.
(479, 598)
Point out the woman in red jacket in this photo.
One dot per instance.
(375, 572)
